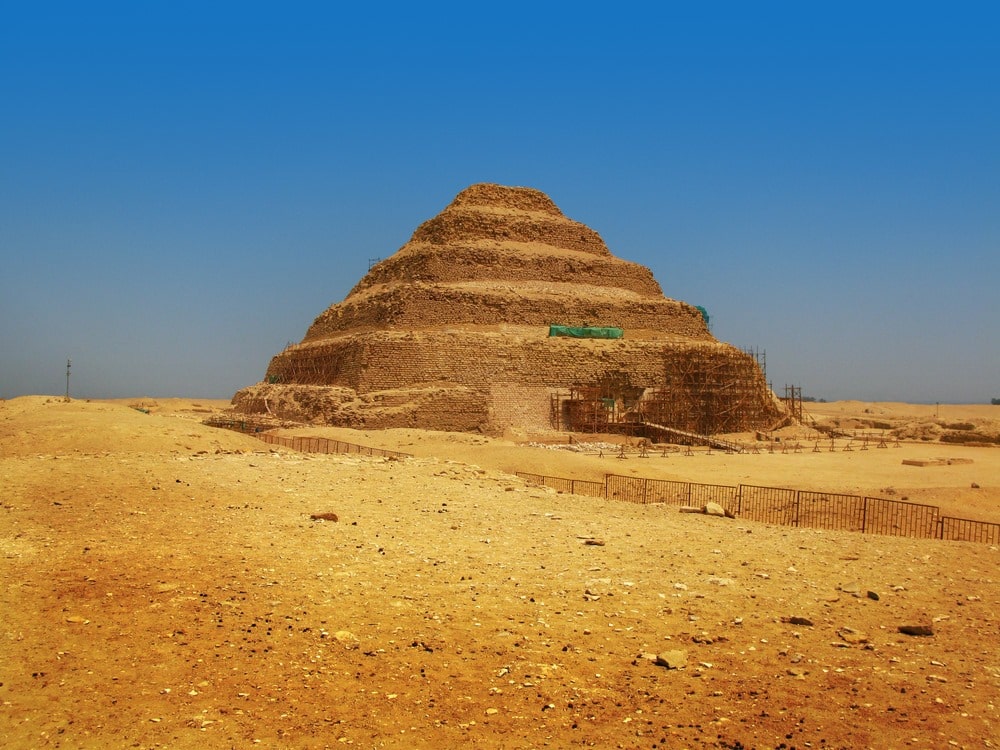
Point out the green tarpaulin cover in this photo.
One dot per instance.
(586, 332)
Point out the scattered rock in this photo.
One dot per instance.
(672, 659)
(706, 639)
(917, 630)
(324, 517)
(805, 621)
(850, 635)
(719, 581)
(873, 596)
(594, 542)
(347, 639)
(690, 509)
(714, 509)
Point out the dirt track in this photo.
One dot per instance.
(165, 587)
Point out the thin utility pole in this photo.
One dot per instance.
(68, 365)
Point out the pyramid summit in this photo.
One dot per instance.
(460, 330)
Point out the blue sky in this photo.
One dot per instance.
(185, 186)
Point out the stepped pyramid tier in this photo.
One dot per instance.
(453, 332)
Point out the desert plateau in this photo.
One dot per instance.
(166, 586)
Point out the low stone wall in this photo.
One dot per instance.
(458, 409)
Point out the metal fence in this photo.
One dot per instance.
(239, 425)
(306, 444)
(724, 495)
(768, 505)
(787, 507)
(899, 518)
(572, 486)
(302, 443)
(627, 489)
(831, 510)
(966, 530)
(669, 492)
(775, 505)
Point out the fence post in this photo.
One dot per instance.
(864, 515)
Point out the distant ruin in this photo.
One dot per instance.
(457, 331)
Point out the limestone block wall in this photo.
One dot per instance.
(334, 362)
(428, 305)
(528, 407)
(456, 225)
(489, 196)
(482, 381)
(422, 262)
(453, 410)
(390, 360)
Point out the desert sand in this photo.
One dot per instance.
(165, 586)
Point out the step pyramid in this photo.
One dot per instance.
(452, 332)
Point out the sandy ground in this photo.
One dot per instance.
(806, 459)
(164, 586)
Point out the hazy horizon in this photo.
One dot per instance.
(186, 187)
